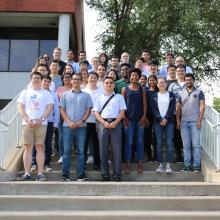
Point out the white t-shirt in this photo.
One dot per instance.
(35, 102)
(113, 108)
(163, 103)
(95, 95)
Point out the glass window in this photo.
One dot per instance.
(4, 51)
(23, 54)
(47, 46)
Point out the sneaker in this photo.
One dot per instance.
(25, 177)
(196, 169)
(160, 169)
(64, 177)
(33, 168)
(168, 168)
(47, 168)
(186, 168)
(60, 161)
(41, 177)
(82, 178)
(90, 160)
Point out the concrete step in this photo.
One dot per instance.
(149, 176)
(88, 188)
(108, 203)
(109, 215)
(151, 166)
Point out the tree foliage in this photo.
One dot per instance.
(216, 104)
(190, 28)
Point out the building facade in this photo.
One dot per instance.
(31, 28)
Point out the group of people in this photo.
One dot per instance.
(110, 107)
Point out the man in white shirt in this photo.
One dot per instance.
(109, 111)
(34, 106)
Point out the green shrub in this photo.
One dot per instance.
(216, 104)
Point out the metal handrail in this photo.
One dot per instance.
(4, 123)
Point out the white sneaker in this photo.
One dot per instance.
(33, 168)
(160, 169)
(48, 169)
(90, 160)
(168, 168)
(60, 160)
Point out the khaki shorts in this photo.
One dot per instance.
(33, 136)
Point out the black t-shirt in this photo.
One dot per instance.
(62, 65)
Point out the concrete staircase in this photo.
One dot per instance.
(149, 196)
(148, 175)
(98, 200)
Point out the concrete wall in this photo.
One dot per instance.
(12, 83)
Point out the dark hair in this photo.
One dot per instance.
(135, 70)
(154, 62)
(170, 54)
(46, 77)
(106, 58)
(102, 65)
(190, 75)
(151, 76)
(94, 73)
(108, 77)
(35, 73)
(71, 50)
(41, 64)
(142, 75)
(145, 51)
(181, 66)
(82, 51)
(68, 64)
(84, 62)
(139, 58)
(113, 70)
(125, 64)
(55, 61)
(114, 56)
(170, 66)
(77, 74)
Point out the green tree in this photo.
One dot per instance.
(185, 27)
(216, 104)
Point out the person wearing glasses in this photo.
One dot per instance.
(109, 111)
(75, 108)
(34, 105)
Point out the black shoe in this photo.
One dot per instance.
(97, 168)
(117, 178)
(105, 178)
(64, 177)
(82, 177)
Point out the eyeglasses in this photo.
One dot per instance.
(74, 79)
(124, 69)
(36, 78)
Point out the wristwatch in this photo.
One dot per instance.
(43, 119)
(83, 120)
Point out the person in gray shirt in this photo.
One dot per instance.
(191, 108)
(75, 108)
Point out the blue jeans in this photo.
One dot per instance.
(79, 134)
(60, 130)
(159, 131)
(134, 130)
(191, 142)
